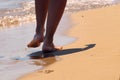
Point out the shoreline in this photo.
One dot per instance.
(15, 55)
(20, 12)
(96, 51)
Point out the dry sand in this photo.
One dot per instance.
(96, 53)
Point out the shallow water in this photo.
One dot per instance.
(14, 61)
(15, 12)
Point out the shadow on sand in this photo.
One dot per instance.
(40, 54)
(46, 59)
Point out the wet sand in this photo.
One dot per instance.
(15, 56)
(96, 53)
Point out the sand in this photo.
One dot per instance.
(95, 55)
(14, 55)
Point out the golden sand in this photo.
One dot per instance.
(96, 53)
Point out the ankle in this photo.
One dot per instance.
(39, 31)
(48, 41)
(38, 37)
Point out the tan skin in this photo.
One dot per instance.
(55, 9)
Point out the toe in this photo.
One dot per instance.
(47, 50)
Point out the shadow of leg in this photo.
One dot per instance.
(40, 54)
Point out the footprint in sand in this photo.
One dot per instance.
(46, 71)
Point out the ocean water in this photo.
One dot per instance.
(13, 61)
(15, 12)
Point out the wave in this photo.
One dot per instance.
(26, 12)
(11, 17)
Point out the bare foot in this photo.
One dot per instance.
(36, 41)
(47, 48)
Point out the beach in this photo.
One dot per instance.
(15, 59)
(88, 31)
(95, 55)
(18, 12)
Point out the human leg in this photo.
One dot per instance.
(41, 8)
(55, 12)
